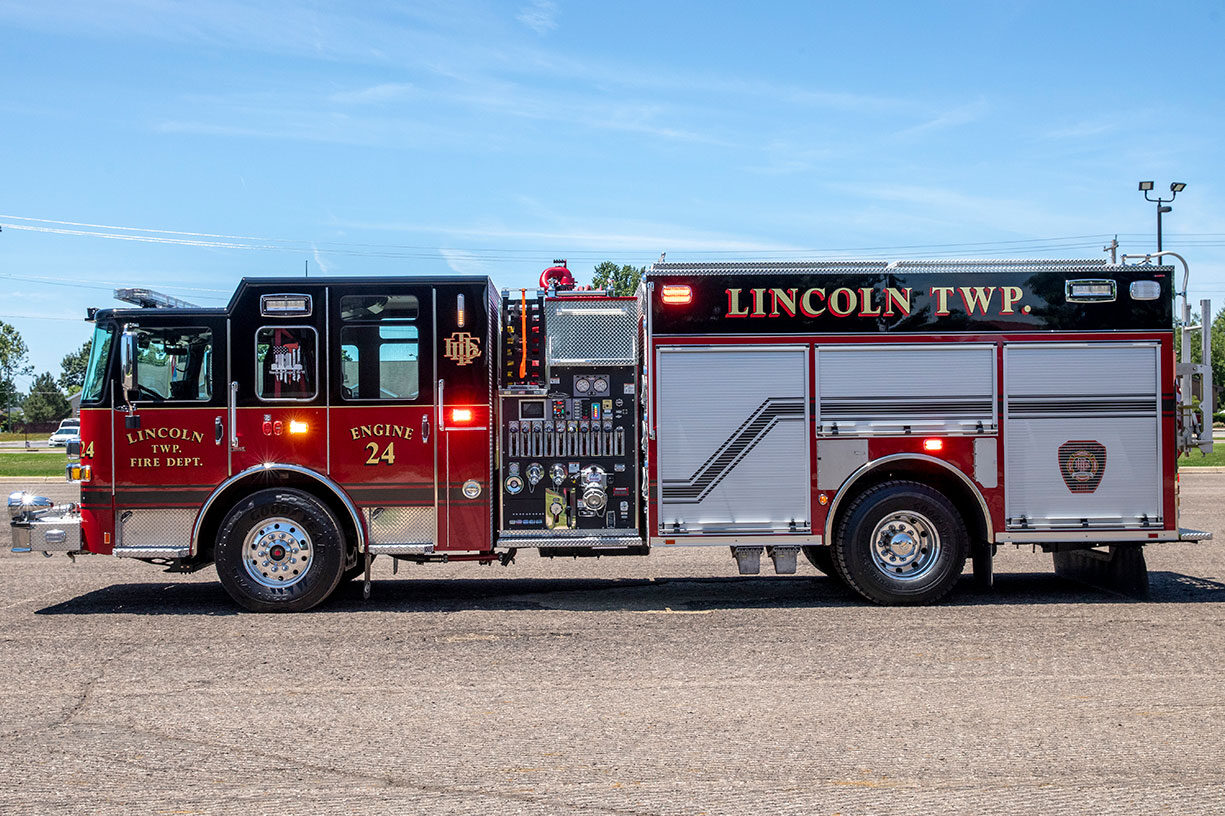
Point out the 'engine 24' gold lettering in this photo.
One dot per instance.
(382, 429)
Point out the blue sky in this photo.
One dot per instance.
(186, 145)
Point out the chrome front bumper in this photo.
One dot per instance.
(39, 526)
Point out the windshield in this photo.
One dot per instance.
(95, 372)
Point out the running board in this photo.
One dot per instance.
(151, 552)
(400, 549)
(595, 542)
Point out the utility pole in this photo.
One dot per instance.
(307, 267)
(1112, 248)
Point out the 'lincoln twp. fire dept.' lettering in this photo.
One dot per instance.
(868, 301)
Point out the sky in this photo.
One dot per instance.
(183, 146)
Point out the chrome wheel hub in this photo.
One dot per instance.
(905, 545)
(277, 552)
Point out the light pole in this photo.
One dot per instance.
(1175, 188)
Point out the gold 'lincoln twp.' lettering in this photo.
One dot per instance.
(868, 301)
(150, 434)
(461, 347)
(841, 302)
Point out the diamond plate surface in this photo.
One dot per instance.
(400, 525)
(587, 332)
(153, 528)
(835, 267)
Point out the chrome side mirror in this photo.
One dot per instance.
(127, 364)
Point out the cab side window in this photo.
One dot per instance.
(174, 364)
(379, 347)
(285, 363)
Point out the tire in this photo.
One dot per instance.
(901, 543)
(280, 550)
(823, 559)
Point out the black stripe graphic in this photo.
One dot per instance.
(733, 450)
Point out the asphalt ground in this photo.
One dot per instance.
(657, 685)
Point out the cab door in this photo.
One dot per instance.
(382, 431)
(170, 450)
(464, 389)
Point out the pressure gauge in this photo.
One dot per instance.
(535, 472)
(582, 385)
(513, 485)
(600, 385)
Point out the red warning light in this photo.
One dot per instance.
(676, 293)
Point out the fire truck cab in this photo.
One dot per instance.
(886, 420)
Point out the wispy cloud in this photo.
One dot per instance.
(539, 15)
(1082, 130)
(954, 117)
(611, 235)
(383, 92)
(324, 267)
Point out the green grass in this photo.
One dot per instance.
(1197, 459)
(20, 437)
(32, 464)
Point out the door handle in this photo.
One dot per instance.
(425, 428)
(442, 424)
(218, 431)
(233, 406)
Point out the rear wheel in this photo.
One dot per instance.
(280, 550)
(901, 543)
(823, 559)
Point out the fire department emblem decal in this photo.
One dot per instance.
(461, 347)
(1082, 463)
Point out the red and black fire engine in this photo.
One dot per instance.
(887, 420)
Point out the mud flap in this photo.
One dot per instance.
(1121, 570)
(982, 556)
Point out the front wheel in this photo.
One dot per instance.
(280, 550)
(901, 542)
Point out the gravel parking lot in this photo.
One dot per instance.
(659, 685)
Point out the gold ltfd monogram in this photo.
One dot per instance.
(461, 347)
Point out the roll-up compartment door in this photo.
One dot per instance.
(1082, 436)
(731, 439)
(890, 389)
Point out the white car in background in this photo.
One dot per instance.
(68, 430)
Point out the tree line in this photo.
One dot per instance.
(47, 399)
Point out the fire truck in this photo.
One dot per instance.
(886, 420)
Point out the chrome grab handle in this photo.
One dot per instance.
(218, 431)
(442, 425)
(233, 416)
(425, 428)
